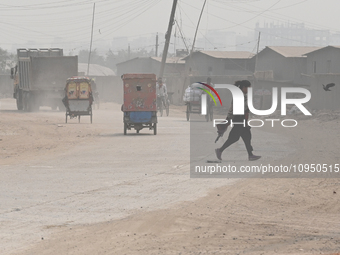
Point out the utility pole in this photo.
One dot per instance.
(192, 48)
(255, 78)
(156, 45)
(167, 38)
(257, 50)
(129, 51)
(198, 23)
(88, 64)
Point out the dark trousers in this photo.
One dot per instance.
(235, 133)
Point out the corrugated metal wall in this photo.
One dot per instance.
(321, 99)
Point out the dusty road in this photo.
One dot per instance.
(55, 174)
(88, 189)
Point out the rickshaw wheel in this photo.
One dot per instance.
(66, 118)
(167, 107)
(125, 128)
(137, 131)
(91, 117)
(188, 112)
(155, 128)
(161, 109)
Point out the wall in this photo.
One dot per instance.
(321, 58)
(322, 100)
(221, 79)
(148, 65)
(284, 69)
(138, 65)
(206, 65)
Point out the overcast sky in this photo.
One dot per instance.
(67, 23)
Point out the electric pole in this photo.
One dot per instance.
(167, 39)
(129, 51)
(192, 49)
(156, 45)
(257, 50)
(88, 64)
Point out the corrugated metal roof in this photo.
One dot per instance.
(95, 70)
(132, 59)
(329, 46)
(228, 54)
(170, 60)
(225, 54)
(293, 51)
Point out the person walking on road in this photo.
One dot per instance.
(242, 129)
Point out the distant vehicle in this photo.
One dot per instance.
(192, 99)
(139, 108)
(39, 77)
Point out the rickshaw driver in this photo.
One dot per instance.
(161, 91)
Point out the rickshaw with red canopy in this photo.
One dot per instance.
(139, 108)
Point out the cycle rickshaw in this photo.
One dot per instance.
(78, 98)
(193, 100)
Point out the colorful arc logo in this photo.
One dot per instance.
(208, 92)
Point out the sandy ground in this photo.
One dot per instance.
(87, 189)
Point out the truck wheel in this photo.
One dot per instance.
(18, 96)
(32, 103)
(19, 104)
(25, 101)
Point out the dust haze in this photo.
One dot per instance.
(90, 180)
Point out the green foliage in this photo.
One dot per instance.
(7, 60)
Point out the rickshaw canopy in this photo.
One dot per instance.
(78, 87)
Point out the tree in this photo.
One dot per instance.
(7, 60)
(83, 57)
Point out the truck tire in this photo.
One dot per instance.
(25, 101)
(33, 105)
(18, 96)
(29, 102)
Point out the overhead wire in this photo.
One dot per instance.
(128, 11)
(110, 18)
